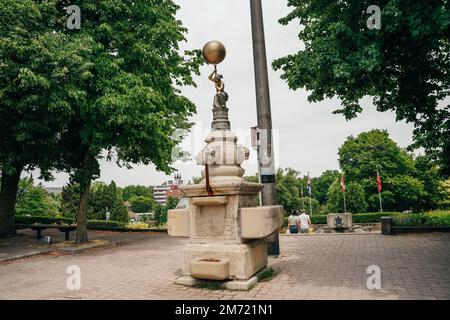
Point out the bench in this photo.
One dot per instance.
(61, 227)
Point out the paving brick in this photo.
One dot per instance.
(310, 267)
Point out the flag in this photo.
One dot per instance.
(309, 185)
(379, 181)
(342, 184)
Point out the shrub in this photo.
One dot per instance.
(22, 220)
(436, 218)
(432, 218)
(370, 217)
(319, 219)
(141, 225)
(104, 225)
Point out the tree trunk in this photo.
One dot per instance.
(81, 234)
(8, 195)
(85, 186)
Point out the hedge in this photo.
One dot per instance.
(104, 225)
(24, 220)
(370, 217)
(432, 218)
(20, 221)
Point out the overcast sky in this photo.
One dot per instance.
(307, 135)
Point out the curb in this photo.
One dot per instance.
(62, 251)
(26, 255)
(373, 233)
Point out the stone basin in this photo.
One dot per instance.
(210, 268)
(260, 222)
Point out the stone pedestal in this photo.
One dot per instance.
(227, 229)
(339, 221)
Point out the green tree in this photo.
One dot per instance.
(107, 197)
(132, 104)
(70, 200)
(288, 189)
(361, 157)
(172, 202)
(141, 204)
(404, 65)
(321, 184)
(445, 202)
(253, 178)
(37, 65)
(406, 182)
(162, 210)
(137, 191)
(315, 206)
(354, 196)
(100, 201)
(196, 180)
(428, 173)
(402, 193)
(34, 200)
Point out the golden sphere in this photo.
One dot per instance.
(214, 52)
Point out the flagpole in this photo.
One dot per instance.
(343, 191)
(381, 207)
(379, 190)
(310, 193)
(345, 205)
(303, 200)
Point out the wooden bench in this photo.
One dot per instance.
(61, 227)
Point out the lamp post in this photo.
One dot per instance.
(265, 149)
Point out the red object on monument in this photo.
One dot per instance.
(208, 186)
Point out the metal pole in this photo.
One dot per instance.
(303, 200)
(265, 150)
(310, 194)
(310, 205)
(379, 192)
(345, 205)
(381, 207)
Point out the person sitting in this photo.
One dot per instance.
(293, 222)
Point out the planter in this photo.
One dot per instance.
(386, 225)
(418, 229)
(210, 269)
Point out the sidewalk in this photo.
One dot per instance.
(25, 244)
(412, 266)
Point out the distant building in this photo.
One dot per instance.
(168, 189)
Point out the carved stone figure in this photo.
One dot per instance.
(221, 97)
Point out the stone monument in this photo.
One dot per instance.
(339, 221)
(226, 227)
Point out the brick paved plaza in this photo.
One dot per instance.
(310, 267)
